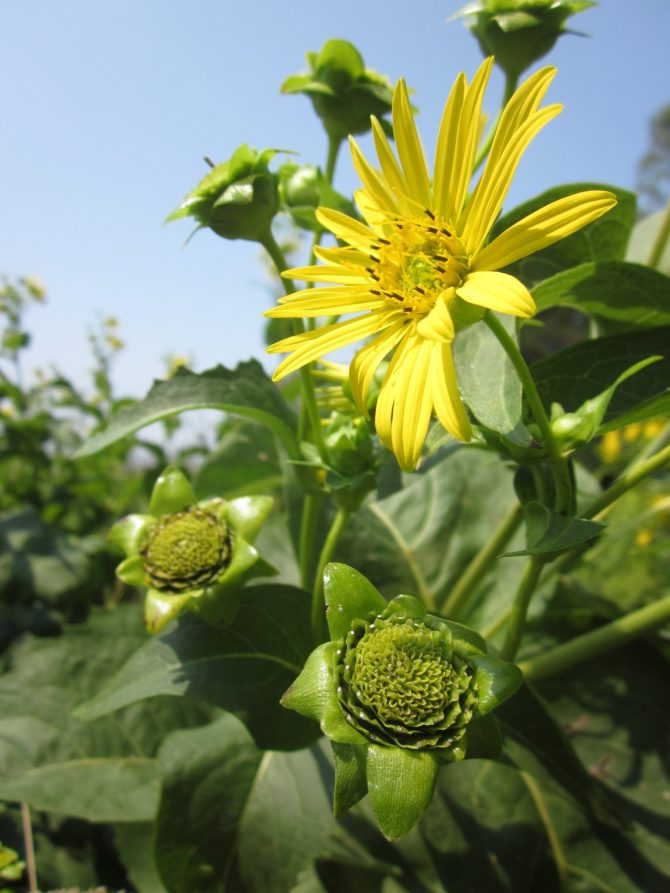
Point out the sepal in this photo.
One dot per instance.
(496, 681)
(171, 493)
(350, 780)
(349, 595)
(128, 533)
(401, 784)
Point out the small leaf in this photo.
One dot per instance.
(548, 532)
(401, 784)
(245, 391)
(349, 595)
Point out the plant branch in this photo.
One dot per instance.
(517, 620)
(589, 645)
(329, 545)
(29, 847)
(466, 585)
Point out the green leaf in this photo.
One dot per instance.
(642, 239)
(103, 773)
(349, 595)
(581, 372)
(400, 783)
(207, 778)
(245, 391)
(487, 380)
(244, 669)
(626, 293)
(135, 843)
(419, 539)
(548, 532)
(603, 240)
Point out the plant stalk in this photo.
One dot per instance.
(517, 620)
(29, 847)
(466, 585)
(589, 645)
(332, 539)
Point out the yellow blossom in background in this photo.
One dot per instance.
(643, 538)
(610, 446)
(419, 268)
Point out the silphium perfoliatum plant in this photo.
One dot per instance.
(343, 91)
(399, 692)
(191, 555)
(519, 32)
(237, 199)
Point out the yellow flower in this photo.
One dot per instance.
(419, 268)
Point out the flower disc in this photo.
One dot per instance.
(401, 683)
(186, 550)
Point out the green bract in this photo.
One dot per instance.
(343, 91)
(399, 692)
(237, 199)
(519, 32)
(191, 555)
(303, 188)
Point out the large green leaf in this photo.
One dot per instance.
(419, 539)
(626, 293)
(604, 239)
(579, 373)
(104, 772)
(642, 239)
(245, 391)
(233, 818)
(244, 669)
(486, 378)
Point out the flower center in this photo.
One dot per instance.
(417, 263)
(401, 683)
(186, 550)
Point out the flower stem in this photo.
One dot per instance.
(329, 545)
(309, 398)
(613, 634)
(660, 241)
(29, 848)
(308, 531)
(333, 150)
(474, 573)
(559, 467)
(517, 620)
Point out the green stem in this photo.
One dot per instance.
(474, 573)
(29, 848)
(612, 635)
(309, 398)
(510, 86)
(559, 467)
(660, 241)
(517, 621)
(334, 144)
(308, 530)
(329, 545)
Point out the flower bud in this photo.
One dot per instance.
(343, 91)
(237, 199)
(191, 555)
(519, 32)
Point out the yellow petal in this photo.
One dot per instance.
(497, 291)
(364, 364)
(543, 227)
(345, 227)
(371, 179)
(413, 404)
(438, 325)
(328, 273)
(326, 293)
(458, 177)
(449, 407)
(316, 305)
(345, 256)
(489, 194)
(446, 152)
(384, 406)
(410, 152)
(392, 174)
(311, 345)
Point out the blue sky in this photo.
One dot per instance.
(108, 109)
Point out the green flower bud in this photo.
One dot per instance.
(303, 188)
(186, 550)
(237, 199)
(519, 32)
(399, 692)
(402, 683)
(190, 555)
(343, 91)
